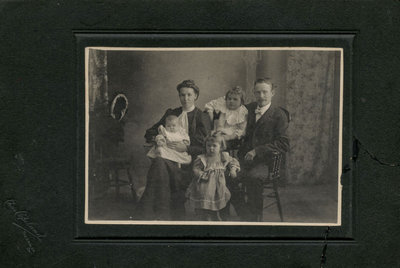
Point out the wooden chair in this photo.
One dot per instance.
(106, 151)
(111, 169)
(272, 182)
(107, 171)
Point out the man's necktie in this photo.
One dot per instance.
(258, 113)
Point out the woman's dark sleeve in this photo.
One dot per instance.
(203, 129)
(152, 132)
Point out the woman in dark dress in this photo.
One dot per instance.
(164, 196)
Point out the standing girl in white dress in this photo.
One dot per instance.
(207, 192)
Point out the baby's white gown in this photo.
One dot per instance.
(168, 153)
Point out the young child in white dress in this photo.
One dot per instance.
(208, 193)
(229, 115)
(172, 132)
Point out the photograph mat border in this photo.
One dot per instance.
(137, 222)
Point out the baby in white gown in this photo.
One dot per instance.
(172, 132)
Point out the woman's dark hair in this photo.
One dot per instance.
(190, 84)
(236, 91)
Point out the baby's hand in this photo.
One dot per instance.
(233, 173)
(160, 140)
(157, 152)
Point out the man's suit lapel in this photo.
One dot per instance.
(265, 116)
(252, 116)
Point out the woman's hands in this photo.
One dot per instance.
(177, 146)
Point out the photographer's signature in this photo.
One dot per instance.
(23, 222)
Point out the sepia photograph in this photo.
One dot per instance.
(213, 136)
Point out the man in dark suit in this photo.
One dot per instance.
(265, 133)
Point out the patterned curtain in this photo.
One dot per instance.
(312, 99)
(98, 80)
(105, 131)
(250, 60)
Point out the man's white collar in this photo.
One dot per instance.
(264, 108)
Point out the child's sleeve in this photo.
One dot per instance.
(216, 104)
(240, 128)
(234, 164)
(210, 106)
(162, 130)
(198, 167)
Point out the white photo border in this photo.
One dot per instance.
(213, 223)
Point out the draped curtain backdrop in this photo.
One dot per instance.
(312, 99)
(98, 79)
(307, 85)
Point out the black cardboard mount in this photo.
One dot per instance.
(221, 39)
(42, 80)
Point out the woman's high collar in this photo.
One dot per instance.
(189, 109)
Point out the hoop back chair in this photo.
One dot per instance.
(106, 150)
